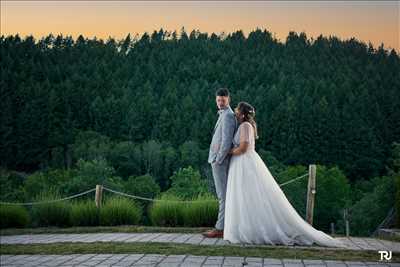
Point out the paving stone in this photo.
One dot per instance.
(272, 261)
(172, 260)
(353, 243)
(313, 262)
(293, 265)
(192, 264)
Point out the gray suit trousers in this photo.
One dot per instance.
(220, 174)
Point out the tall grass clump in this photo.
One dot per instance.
(51, 214)
(84, 213)
(167, 212)
(120, 211)
(201, 211)
(13, 217)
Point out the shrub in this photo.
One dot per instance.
(11, 189)
(332, 193)
(51, 214)
(13, 217)
(371, 210)
(144, 186)
(333, 190)
(120, 211)
(202, 211)
(167, 212)
(187, 183)
(91, 173)
(40, 181)
(84, 213)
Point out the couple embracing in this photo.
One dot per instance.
(252, 207)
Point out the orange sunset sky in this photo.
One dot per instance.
(369, 21)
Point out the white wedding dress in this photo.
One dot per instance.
(256, 209)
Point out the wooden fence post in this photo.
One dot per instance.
(312, 169)
(346, 220)
(98, 196)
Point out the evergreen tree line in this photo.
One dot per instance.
(325, 101)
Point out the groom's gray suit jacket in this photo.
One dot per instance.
(224, 131)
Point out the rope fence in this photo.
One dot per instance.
(49, 201)
(144, 198)
(293, 180)
(121, 194)
(311, 190)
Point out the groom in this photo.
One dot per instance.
(218, 156)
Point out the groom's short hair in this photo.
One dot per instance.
(222, 92)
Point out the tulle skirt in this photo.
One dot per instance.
(258, 212)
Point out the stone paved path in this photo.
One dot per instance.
(353, 243)
(173, 261)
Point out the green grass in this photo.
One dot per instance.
(179, 249)
(102, 229)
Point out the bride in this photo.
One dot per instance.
(257, 211)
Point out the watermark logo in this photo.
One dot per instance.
(385, 255)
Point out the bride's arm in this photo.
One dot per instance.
(240, 149)
(244, 139)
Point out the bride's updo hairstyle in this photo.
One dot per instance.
(249, 113)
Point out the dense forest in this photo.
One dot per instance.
(324, 101)
(147, 103)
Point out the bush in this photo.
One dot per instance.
(91, 173)
(187, 183)
(333, 190)
(51, 214)
(371, 210)
(84, 213)
(13, 217)
(202, 211)
(53, 179)
(120, 211)
(144, 186)
(332, 193)
(166, 213)
(12, 186)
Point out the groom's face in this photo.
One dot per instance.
(222, 101)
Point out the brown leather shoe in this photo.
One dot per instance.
(214, 233)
